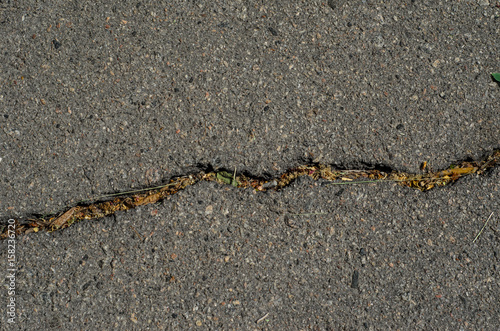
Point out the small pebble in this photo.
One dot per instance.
(355, 279)
(270, 184)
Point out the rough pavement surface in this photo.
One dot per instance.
(108, 97)
(378, 257)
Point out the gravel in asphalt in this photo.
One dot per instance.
(106, 97)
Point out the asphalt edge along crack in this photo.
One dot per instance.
(127, 200)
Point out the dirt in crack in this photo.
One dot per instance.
(128, 200)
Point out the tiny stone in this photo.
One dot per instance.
(273, 31)
(355, 279)
(209, 210)
(270, 184)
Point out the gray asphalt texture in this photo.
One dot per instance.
(109, 97)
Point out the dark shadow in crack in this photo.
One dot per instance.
(364, 172)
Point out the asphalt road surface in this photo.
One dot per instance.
(107, 97)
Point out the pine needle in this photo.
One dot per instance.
(482, 228)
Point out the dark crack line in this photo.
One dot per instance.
(108, 205)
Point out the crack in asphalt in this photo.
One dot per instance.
(109, 204)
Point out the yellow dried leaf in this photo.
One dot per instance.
(58, 222)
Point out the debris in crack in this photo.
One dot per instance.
(101, 209)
